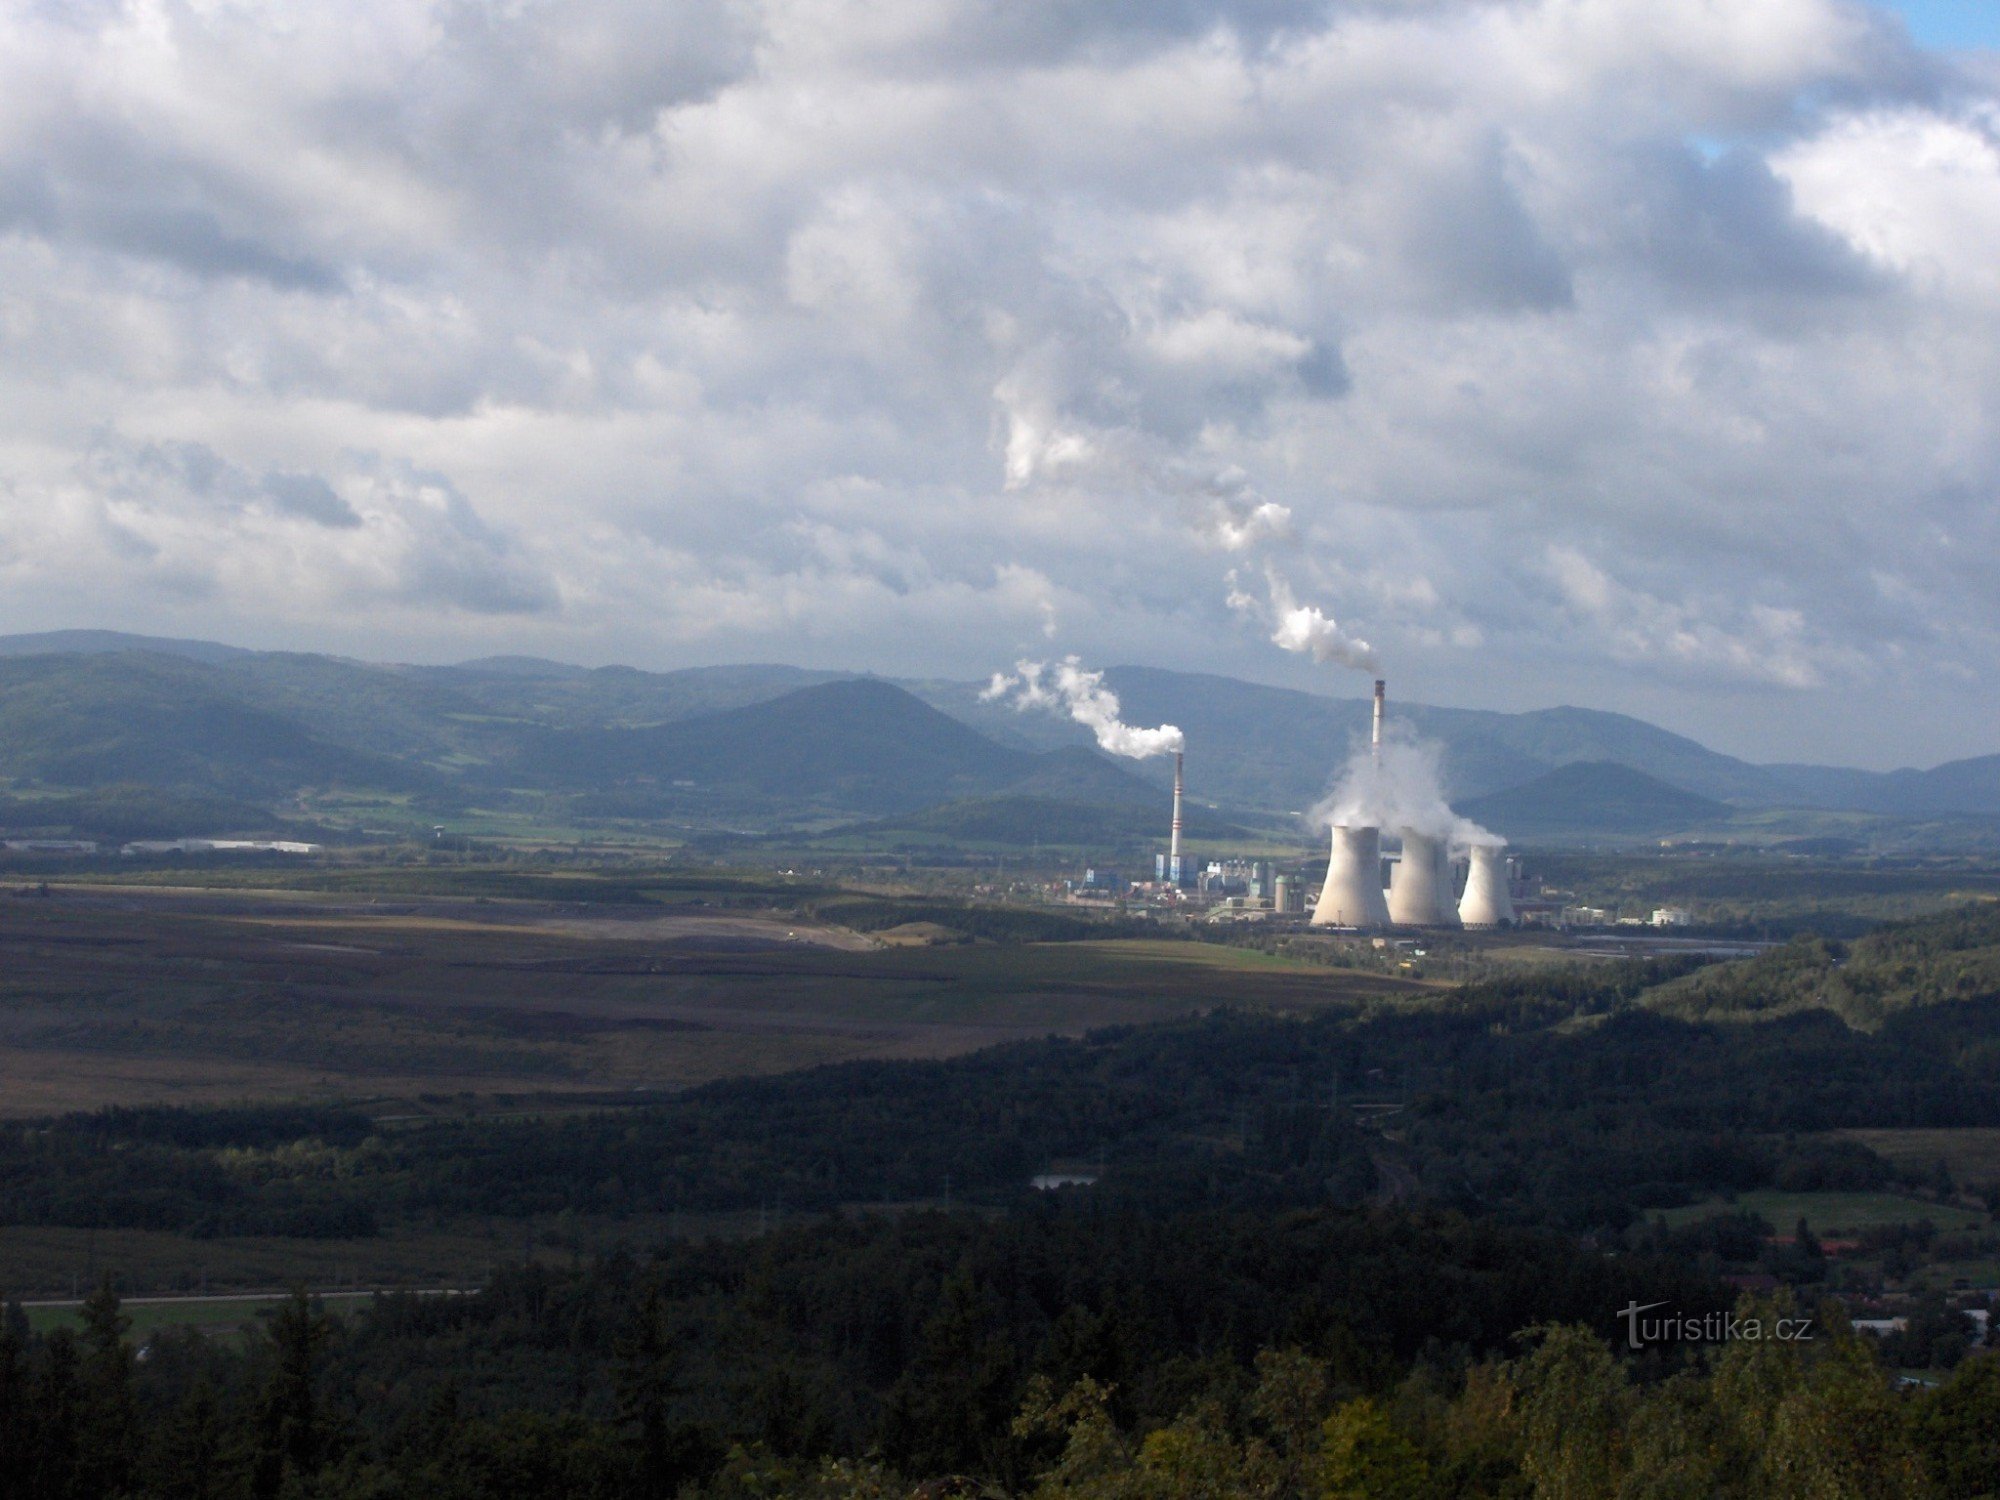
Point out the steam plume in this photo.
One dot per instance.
(1402, 788)
(1301, 628)
(1236, 525)
(1065, 687)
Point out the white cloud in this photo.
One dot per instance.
(883, 332)
(1759, 643)
(1916, 191)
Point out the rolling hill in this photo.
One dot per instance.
(858, 745)
(91, 721)
(1593, 799)
(1277, 748)
(85, 709)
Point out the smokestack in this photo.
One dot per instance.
(1485, 902)
(1174, 848)
(1420, 885)
(1381, 704)
(1352, 895)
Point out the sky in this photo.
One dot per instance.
(1636, 354)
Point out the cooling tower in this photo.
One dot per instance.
(1352, 895)
(1485, 902)
(1420, 885)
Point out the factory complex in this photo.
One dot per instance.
(1433, 878)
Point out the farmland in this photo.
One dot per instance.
(130, 994)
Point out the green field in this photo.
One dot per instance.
(1832, 1213)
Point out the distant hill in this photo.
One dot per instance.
(1593, 798)
(1958, 786)
(861, 745)
(83, 709)
(98, 642)
(1265, 747)
(552, 694)
(1080, 775)
(90, 721)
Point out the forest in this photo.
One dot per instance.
(1061, 1352)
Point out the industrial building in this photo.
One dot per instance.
(1422, 889)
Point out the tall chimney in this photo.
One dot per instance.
(1381, 703)
(1174, 849)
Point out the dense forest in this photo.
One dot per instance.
(1063, 1352)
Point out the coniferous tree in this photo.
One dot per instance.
(189, 1462)
(669, 1452)
(952, 1409)
(291, 1432)
(107, 1421)
(15, 1389)
(54, 1439)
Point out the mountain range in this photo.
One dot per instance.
(87, 709)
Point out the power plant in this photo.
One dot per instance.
(1389, 794)
(1420, 886)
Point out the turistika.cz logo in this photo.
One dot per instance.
(1709, 1328)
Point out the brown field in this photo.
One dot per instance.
(111, 995)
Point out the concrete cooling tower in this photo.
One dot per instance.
(1352, 895)
(1420, 885)
(1485, 902)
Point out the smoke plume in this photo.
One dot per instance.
(1065, 687)
(1402, 788)
(1301, 628)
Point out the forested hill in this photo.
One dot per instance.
(79, 709)
(1953, 957)
(861, 744)
(264, 728)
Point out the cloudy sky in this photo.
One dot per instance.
(1641, 354)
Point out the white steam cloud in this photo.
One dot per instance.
(1065, 687)
(1239, 525)
(1401, 788)
(1301, 628)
